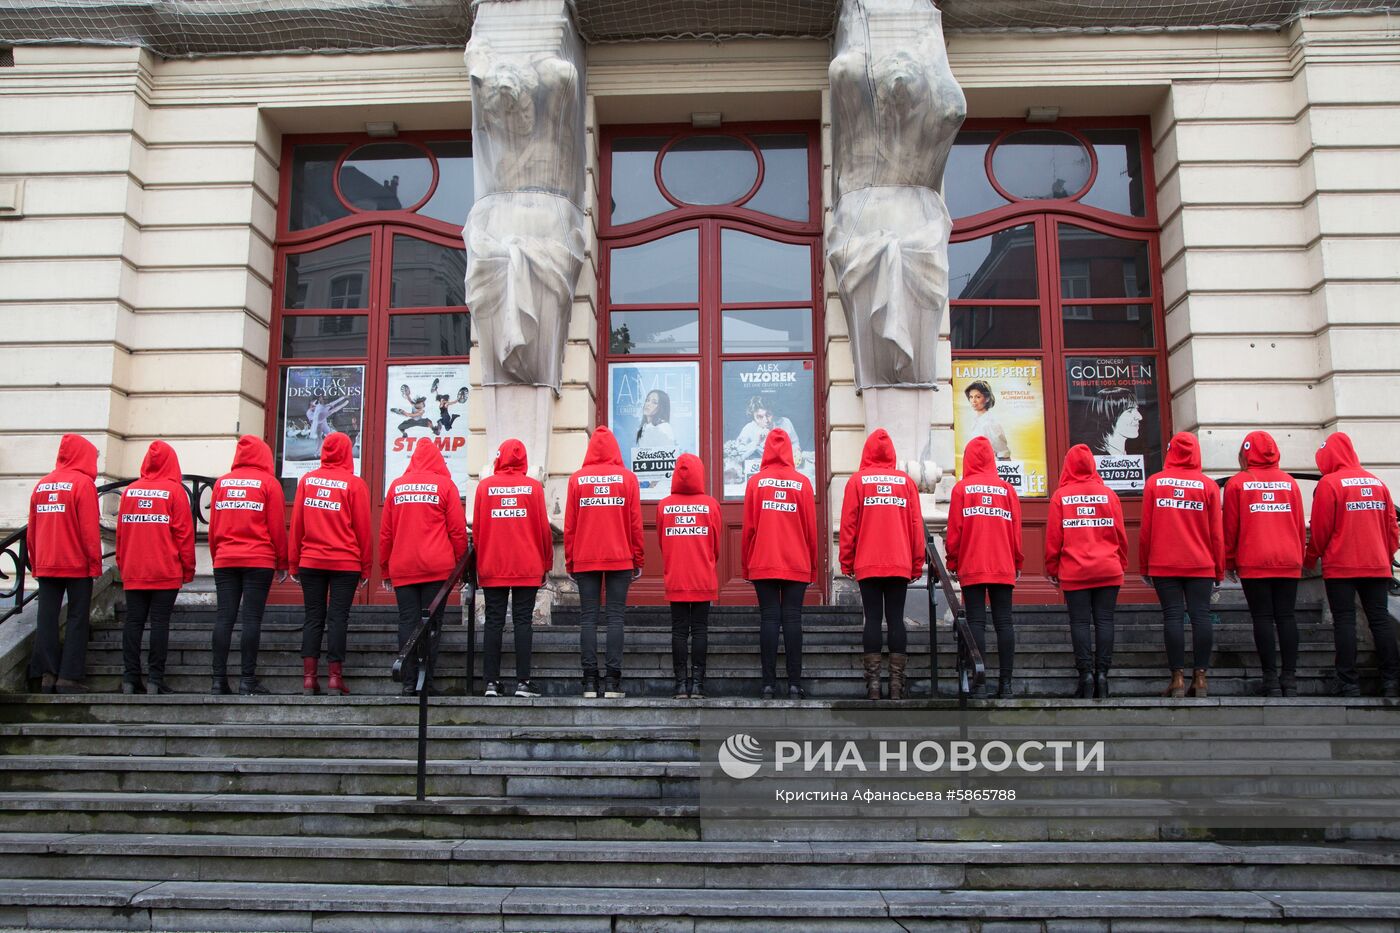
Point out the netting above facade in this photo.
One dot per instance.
(185, 28)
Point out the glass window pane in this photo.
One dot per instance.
(965, 185)
(1041, 164)
(385, 177)
(1118, 185)
(983, 328)
(664, 270)
(784, 190)
(653, 332)
(1096, 265)
(709, 169)
(1108, 325)
(427, 275)
(318, 335)
(430, 334)
(452, 198)
(635, 195)
(754, 268)
(760, 395)
(335, 276)
(772, 330)
(998, 266)
(313, 200)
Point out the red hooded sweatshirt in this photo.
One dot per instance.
(1264, 534)
(423, 516)
(1086, 545)
(780, 518)
(64, 537)
(510, 523)
(1353, 516)
(1181, 534)
(882, 523)
(984, 521)
(688, 526)
(155, 531)
(603, 517)
(330, 514)
(248, 516)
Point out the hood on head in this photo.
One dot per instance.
(1260, 450)
(602, 449)
(1080, 466)
(879, 451)
(1184, 452)
(777, 450)
(337, 452)
(689, 477)
(252, 453)
(1336, 453)
(511, 457)
(427, 459)
(76, 452)
(161, 462)
(979, 457)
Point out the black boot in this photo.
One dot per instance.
(590, 684)
(1085, 690)
(130, 687)
(1288, 684)
(1390, 689)
(219, 686)
(1101, 685)
(249, 687)
(158, 688)
(697, 683)
(682, 688)
(1004, 690)
(612, 685)
(1273, 686)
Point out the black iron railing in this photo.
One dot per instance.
(14, 549)
(971, 669)
(422, 645)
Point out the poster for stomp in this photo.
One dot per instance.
(427, 403)
(653, 412)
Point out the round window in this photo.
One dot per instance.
(385, 177)
(709, 170)
(1042, 165)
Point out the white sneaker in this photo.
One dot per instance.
(526, 690)
(493, 689)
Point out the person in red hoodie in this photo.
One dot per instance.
(1181, 552)
(422, 536)
(780, 557)
(882, 547)
(1354, 534)
(1264, 541)
(984, 551)
(329, 554)
(63, 547)
(603, 552)
(688, 526)
(248, 545)
(155, 554)
(514, 553)
(1086, 552)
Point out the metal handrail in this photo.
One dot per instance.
(14, 549)
(424, 640)
(971, 668)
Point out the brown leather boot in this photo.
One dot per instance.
(898, 662)
(1198, 683)
(871, 664)
(1177, 688)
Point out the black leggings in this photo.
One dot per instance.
(69, 660)
(242, 593)
(1091, 626)
(690, 642)
(326, 596)
(1271, 606)
(413, 599)
(780, 609)
(522, 614)
(1191, 595)
(883, 599)
(975, 599)
(1341, 597)
(157, 606)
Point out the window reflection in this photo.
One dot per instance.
(784, 189)
(1041, 164)
(664, 270)
(709, 169)
(992, 328)
(965, 185)
(427, 275)
(385, 177)
(313, 200)
(1115, 325)
(754, 268)
(772, 330)
(453, 196)
(1096, 265)
(324, 335)
(638, 332)
(331, 277)
(1118, 186)
(635, 195)
(430, 335)
(1002, 265)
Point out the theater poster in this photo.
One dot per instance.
(1003, 400)
(760, 395)
(653, 409)
(427, 404)
(1113, 408)
(317, 401)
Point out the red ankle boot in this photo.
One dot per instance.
(310, 683)
(335, 683)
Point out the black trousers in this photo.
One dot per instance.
(1189, 595)
(1091, 626)
(608, 587)
(413, 600)
(690, 637)
(975, 599)
(242, 594)
(780, 609)
(1271, 606)
(883, 601)
(521, 601)
(68, 660)
(155, 605)
(326, 596)
(1341, 597)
